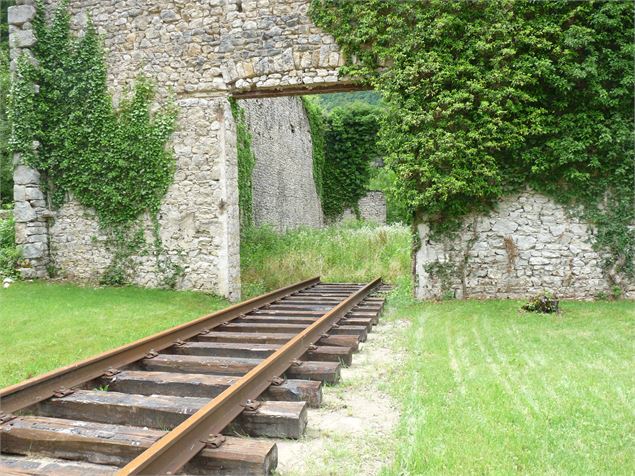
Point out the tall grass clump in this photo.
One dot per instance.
(348, 252)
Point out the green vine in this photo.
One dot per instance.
(317, 125)
(6, 160)
(351, 145)
(488, 97)
(344, 145)
(246, 163)
(114, 161)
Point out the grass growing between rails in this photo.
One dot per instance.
(45, 326)
(349, 252)
(486, 389)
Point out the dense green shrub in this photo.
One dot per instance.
(351, 146)
(487, 97)
(9, 253)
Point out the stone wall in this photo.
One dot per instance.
(372, 207)
(527, 245)
(284, 192)
(193, 223)
(202, 51)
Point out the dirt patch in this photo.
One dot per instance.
(352, 432)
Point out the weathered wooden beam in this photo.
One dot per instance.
(224, 349)
(155, 411)
(329, 353)
(273, 420)
(351, 341)
(207, 386)
(117, 444)
(198, 364)
(264, 328)
(247, 337)
(30, 466)
(275, 319)
(296, 390)
(328, 372)
(299, 90)
(359, 331)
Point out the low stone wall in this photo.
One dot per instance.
(527, 245)
(372, 207)
(284, 192)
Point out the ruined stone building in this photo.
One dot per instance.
(208, 50)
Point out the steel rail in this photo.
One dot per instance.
(170, 453)
(29, 392)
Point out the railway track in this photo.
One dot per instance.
(186, 400)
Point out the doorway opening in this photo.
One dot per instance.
(314, 191)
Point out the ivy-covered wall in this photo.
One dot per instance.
(486, 98)
(198, 53)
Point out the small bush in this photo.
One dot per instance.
(9, 253)
(545, 303)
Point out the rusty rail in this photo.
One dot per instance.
(29, 392)
(174, 450)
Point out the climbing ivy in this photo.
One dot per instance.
(344, 145)
(246, 163)
(6, 161)
(317, 125)
(487, 97)
(114, 161)
(351, 146)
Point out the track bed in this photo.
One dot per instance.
(190, 400)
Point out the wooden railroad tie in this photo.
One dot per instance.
(177, 400)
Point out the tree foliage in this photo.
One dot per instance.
(490, 96)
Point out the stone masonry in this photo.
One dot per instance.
(284, 192)
(372, 207)
(204, 51)
(201, 51)
(529, 244)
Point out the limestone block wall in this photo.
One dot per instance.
(201, 52)
(284, 191)
(527, 245)
(372, 207)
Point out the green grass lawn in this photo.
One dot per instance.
(45, 326)
(482, 388)
(486, 389)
